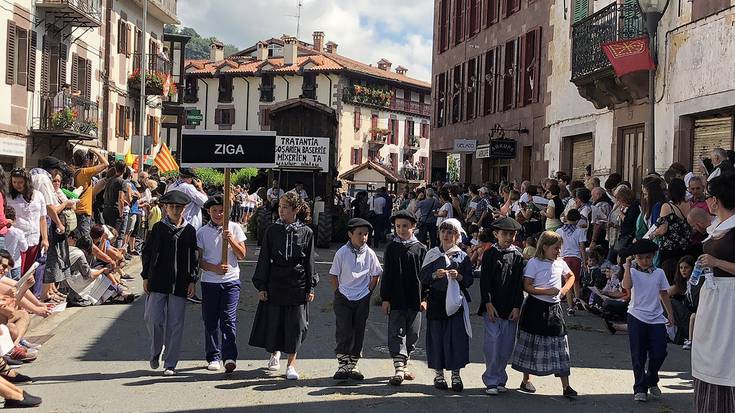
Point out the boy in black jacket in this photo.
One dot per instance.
(169, 274)
(501, 288)
(401, 292)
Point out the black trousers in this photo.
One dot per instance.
(351, 321)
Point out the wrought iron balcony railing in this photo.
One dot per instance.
(76, 13)
(67, 115)
(155, 63)
(409, 106)
(613, 23)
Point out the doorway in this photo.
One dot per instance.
(632, 148)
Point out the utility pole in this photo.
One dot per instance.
(143, 73)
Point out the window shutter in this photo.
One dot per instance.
(88, 85)
(522, 74)
(217, 116)
(44, 64)
(581, 9)
(128, 121)
(358, 119)
(232, 116)
(537, 67)
(32, 61)
(374, 121)
(74, 72)
(120, 36)
(62, 64)
(117, 119)
(10, 55)
(359, 156)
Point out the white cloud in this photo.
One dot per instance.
(365, 30)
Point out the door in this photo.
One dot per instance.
(632, 155)
(710, 133)
(581, 154)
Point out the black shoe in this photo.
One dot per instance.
(594, 309)
(610, 327)
(457, 384)
(341, 375)
(356, 375)
(18, 379)
(570, 312)
(570, 393)
(194, 299)
(128, 257)
(440, 383)
(396, 380)
(13, 362)
(28, 401)
(527, 386)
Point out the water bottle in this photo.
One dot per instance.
(698, 272)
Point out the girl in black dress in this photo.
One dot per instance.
(285, 280)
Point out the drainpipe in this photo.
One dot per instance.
(288, 86)
(206, 103)
(106, 78)
(247, 103)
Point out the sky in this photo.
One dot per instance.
(364, 30)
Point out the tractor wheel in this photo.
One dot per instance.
(324, 230)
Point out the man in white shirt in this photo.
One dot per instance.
(220, 285)
(191, 186)
(274, 194)
(299, 189)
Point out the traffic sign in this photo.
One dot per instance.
(228, 149)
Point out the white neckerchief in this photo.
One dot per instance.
(452, 284)
(718, 229)
(408, 242)
(290, 229)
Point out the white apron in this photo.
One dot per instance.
(714, 333)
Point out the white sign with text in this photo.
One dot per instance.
(302, 152)
(465, 145)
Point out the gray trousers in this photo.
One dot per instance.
(403, 332)
(351, 321)
(500, 338)
(164, 319)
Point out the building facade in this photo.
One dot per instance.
(606, 121)
(92, 46)
(490, 69)
(383, 114)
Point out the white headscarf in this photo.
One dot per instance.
(456, 224)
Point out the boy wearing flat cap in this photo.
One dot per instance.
(501, 289)
(354, 275)
(169, 273)
(400, 290)
(220, 285)
(646, 320)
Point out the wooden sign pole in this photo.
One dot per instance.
(226, 219)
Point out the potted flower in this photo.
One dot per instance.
(64, 118)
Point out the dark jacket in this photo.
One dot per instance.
(400, 284)
(501, 281)
(170, 259)
(436, 289)
(285, 266)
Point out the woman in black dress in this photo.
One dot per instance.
(285, 280)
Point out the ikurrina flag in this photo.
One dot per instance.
(628, 56)
(164, 161)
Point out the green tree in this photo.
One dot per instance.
(453, 167)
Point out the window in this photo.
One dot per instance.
(425, 130)
(407, 95)
(153, 128)
(491, 12)
(308, 88)
(410, 128)
(358, 119)
(457, 86)
(444, 25)
(510, 72)
(393, 127)
(474, 17)
(136, 119)
(512, 6)
(19, 61)
(191, 89)
(471, 90)
(225, 89)
(265, 118)
(581, 10)
(459, 11)
(489, 82)
(81, 76)
(123, 36)
(530, 73)
(441, 99)
(356, 156)
(224, 116)
(374, 121)
(266, 88)
(122, 115)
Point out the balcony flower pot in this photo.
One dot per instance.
(64, 118)
(154, 82)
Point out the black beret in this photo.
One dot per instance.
(218, 199)
(403, 214)
(359, 222)
(187, 173)
(51, 162)
(174, 197)
(644, 246)
(574, 215)
(506, 224)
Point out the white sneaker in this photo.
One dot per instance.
(274, 364)
(169, 372)
(655, 392)
(502, 389)
(214, 365)
(291, 373)
(640, 397)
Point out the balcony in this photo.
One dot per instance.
(159, 81)
(413, 172)
(155, 63)
(592, 72)
(413, 144)
(68, 116)
(377, 138)
(163, 10)
(411, 107)
(72, 13)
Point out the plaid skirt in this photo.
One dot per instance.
(713, 398)
(541, 355)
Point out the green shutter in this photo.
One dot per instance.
(581, 9)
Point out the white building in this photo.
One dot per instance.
(383, 114)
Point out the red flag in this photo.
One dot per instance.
(165, 161)
(627, 56)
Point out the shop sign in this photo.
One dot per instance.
(503, 148)
(483, 151)
(465, 145)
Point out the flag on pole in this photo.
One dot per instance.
(164, 161)
(627, 56)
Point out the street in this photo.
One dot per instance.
(95, 360)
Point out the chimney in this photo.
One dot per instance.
(290, 51)
(384, 64)
(331, 47)
(401, 70)
(216, 51)
(319, 41)
(262, 52)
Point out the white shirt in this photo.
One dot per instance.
(28, 216)
(209, 240)
(274, 194)
(15, 243)
(377, 204)
(450, 213)
(302, 194)
(547, 274)
(193, 212)
(645, 299)
(601, 213)
(570, 246)
(354, 272)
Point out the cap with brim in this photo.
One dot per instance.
(644, 246)
(359, 222)
(218, 199)
(175, 198)
(403, 214)
(506, 224)
(187, 173)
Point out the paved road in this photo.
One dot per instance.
(93, 361)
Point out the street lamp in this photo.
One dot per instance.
(653, 11)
